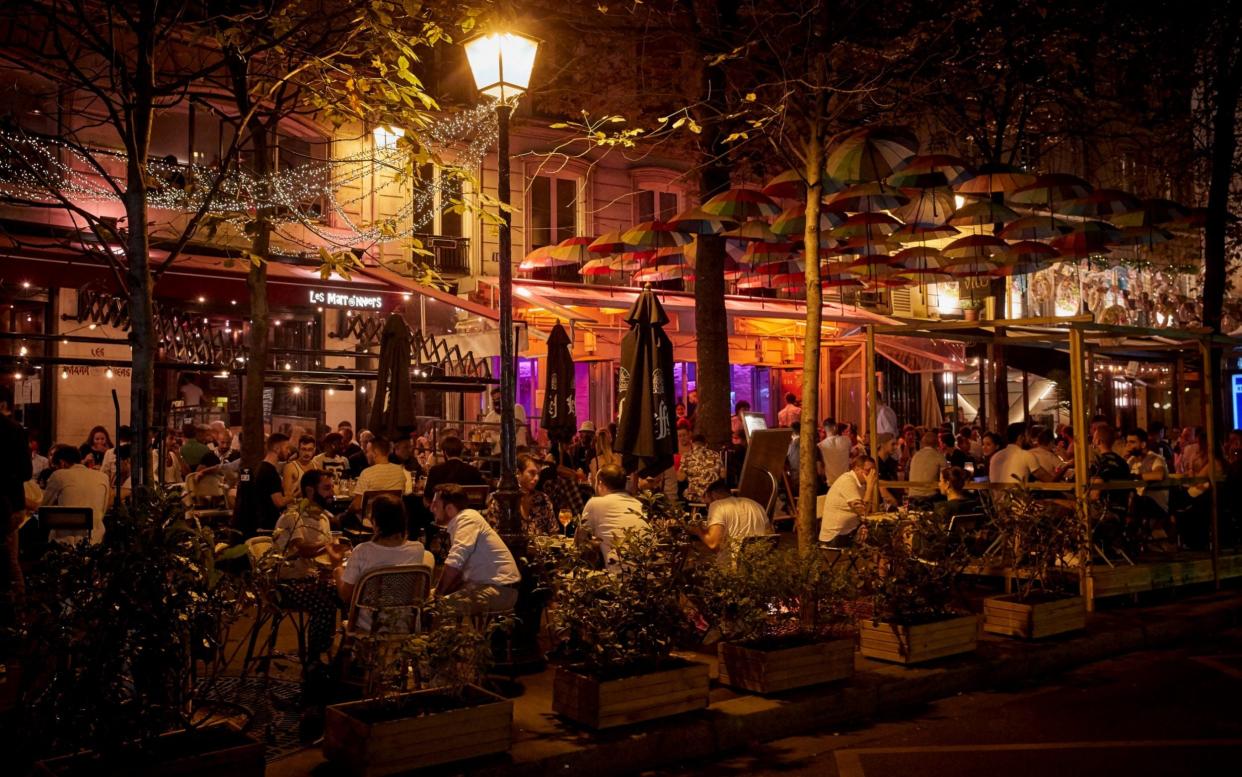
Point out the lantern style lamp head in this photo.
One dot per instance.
(501, 63)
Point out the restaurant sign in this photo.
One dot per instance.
(334, 299)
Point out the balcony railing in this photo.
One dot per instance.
(449, 255)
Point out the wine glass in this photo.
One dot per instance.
(565, 517)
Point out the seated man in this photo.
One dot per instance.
(480, 575)
(607, 515)
(73, 485)
(382, 475)
(453, 469)
(730, 519)
(331, 460)
(304, 534)
(849, 498)
(388, 548)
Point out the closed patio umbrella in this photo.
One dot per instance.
(392, 414)
(559, 418)
(645, 415)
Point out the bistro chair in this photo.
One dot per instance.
(270, 614)
(394, 599)
(476, 496)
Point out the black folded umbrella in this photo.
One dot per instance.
(646, 437)
(559, 418)
(392, 414)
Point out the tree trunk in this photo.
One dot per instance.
(808, 451)
(711, 324)
(257, 356)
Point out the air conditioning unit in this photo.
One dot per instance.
(908, 302)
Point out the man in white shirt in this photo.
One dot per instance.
(73, 485)
(730, 519)
(1044, 455)
(382, 475)
(834, 449)
(480, 575)
(791, 412)
(1015, 464)
(885, 417)
(331, 460)
(849, 498)
(925, 466)
(519, 422)
(610, 513)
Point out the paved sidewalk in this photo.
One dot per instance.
(544, 744)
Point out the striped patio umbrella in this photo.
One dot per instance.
(540, 258)
(927, 206)
(696, 221)
(596, 268)
(869, 153)
(658, 275)
(982, 213)
(752, 282)
(922, 263)
(1101, 204)
(838, 280)
(974, 247)
(862, 246)
(973, 268)
(994, 178)
(1035, 228)
(759, 253)
(789, 281)
(573, 250)
(1088, 238)
(792, 221)
(629, 262)
(926, 171)
(872, 226)
(652, 235)
(741, 205)
(1029, 250)
(1051, 188)
(777, 267)
(755, 229)
(914, 232)
(1151, 213)
(607, 243)
(866, 198)
(1143, 237)
(791, 185)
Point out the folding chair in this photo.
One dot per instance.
(393, 600)
(67, 519)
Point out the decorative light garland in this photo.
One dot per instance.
(44, 170)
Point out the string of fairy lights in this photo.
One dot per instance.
(42, 169)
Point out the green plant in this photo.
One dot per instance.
(771, 593)
(908, 567)
(627, 620)
(1038, 539)
(116, 631)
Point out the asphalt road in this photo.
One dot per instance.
(1167, 713)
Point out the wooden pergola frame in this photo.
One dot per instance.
(1085, 338)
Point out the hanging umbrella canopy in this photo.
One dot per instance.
(866, 229)
(542, 257)
(1101, 204)
(927, 206)
(559, 418)
(972, 268)
(982, 213)
(861, 246)
(1051, 188)
(974, 247)
(645, 418)
(573, 250)
(838, 280)
(1029, 250)
(995, 178)
(865, 198)
(915, 232)
(792, 221)
(919, 258)
(607, 243)
(926, 171)
(662, 274)
(628, 262)
(870, 153)
(652, 235)
(1193, 218)
(757, 253)
(741, 205)
(1143, 237)
(787, 281)
(1151, 213)
(1035, 228)
(696, 221)
(791, 185)
(755, 229)
(778, 267)
(392, 413)
(597, 267)
(1088, 238)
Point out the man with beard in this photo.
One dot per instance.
(262, 495)
(304, 535)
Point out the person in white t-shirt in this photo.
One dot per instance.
(480, 575)
(73, 485)
(390, 547)
(520, 425)
(834, 450)
(885, 417)
(849, 498)
(925, 466)
(730, 519)
(610, 513)
(1015, 464)
(382, 475)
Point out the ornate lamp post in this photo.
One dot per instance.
(501, 63)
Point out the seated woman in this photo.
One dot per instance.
(538, 517)
(388, 548)
(956, 499)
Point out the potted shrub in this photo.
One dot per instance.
(116, 633)
(1040, 542)
(779, 617)
(617, 630)
(907, 567)
(449, 718)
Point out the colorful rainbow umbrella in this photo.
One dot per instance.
(742, 205)
(1088, 238)
(913, 232)
(1101, 204)
(994, 178)
(597, 267)
(1029, 250)
(1035, 228)
(607, 243)
(755, 229)
(866, 197)
(926, 171)
(792, 221)
(696, 221)
(651, 235)
(974, 247)
(757, 252)
(1152, 213)
(1051, 188)
(540, 258)
(869, 153)
(872, 226)
(928, 206)
(791, 185)
(982, 213)
(573, 250)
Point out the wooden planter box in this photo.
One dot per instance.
(1033, 620)
(772, 670)
(375, 737)
(682, 687)
(919, 643)
(214, 751)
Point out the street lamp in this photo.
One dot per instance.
(501, 63)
